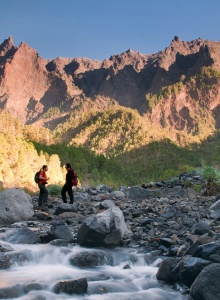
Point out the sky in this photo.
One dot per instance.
(97, 29)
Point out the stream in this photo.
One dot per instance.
(125, 275)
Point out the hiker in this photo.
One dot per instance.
(68, 184)
(43, 196)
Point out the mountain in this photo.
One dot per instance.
(118, 104)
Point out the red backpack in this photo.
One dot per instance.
(74, 179)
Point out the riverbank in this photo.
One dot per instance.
(164, 221)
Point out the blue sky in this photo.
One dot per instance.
(97, 29)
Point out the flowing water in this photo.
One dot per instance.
(48, 264)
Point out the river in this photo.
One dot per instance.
(125, 275)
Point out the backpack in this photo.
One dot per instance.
(36, 176)
(74, 179)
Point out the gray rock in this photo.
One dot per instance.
(4, 262)
(60, 230)
(15, 205)
(59, 243)
(5, 248)
(106, 204)
(202, 228)
(206, 286)
(215, 210)
(136, 192)
(65, 207)
(188, 269)
(90, 259)
(78, 286)
(204, 251)
(11, 292)
(164, 272)
(118, 194)
(105, 228)
(22, 236)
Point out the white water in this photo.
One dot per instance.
(49, 264)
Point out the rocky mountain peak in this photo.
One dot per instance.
(7, 44)
(7, 49)
(30, 85)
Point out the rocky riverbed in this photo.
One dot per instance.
(174, 226)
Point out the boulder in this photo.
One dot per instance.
(90, 259)
(4, 262)
(136, 192)
(21, 236)
(102, 229)
(10, 292)
(14, 258)
(5, 248)
(188, 269)
(215, 210)
(206, 286)
(106, 204)
(205, 251)
(15, 205)
(164, 272)
(60, 230)
(59, 243)
(65, 207)
(78, 286)
(202, 227)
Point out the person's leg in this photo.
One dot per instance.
(70, 193)
(40, 199)
(45, 195)
(63, 193)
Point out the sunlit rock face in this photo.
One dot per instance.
(31, 85)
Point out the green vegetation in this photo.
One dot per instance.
(166, 91)
(156, 161)
(212, 176)
(51, 113)
(207, 78)
(54, 189)
(210, 173)
(111, 144)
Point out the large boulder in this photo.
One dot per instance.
(206, 286)
(21, 236)
(188, 269)
(137, 192)
(15, 206)
(103, 229)
(205, 251)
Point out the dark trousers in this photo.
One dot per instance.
(68, 189)
(43, 196)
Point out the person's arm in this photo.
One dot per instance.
(43, 176)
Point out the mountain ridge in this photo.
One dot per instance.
(176, 91)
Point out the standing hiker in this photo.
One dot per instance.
(71, 180)
(43, 196)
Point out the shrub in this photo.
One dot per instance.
(187, 184)
(54, 189)
(210, 173)
(198, 187)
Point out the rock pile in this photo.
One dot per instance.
(177, 224)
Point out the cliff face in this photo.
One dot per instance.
(30, 85)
